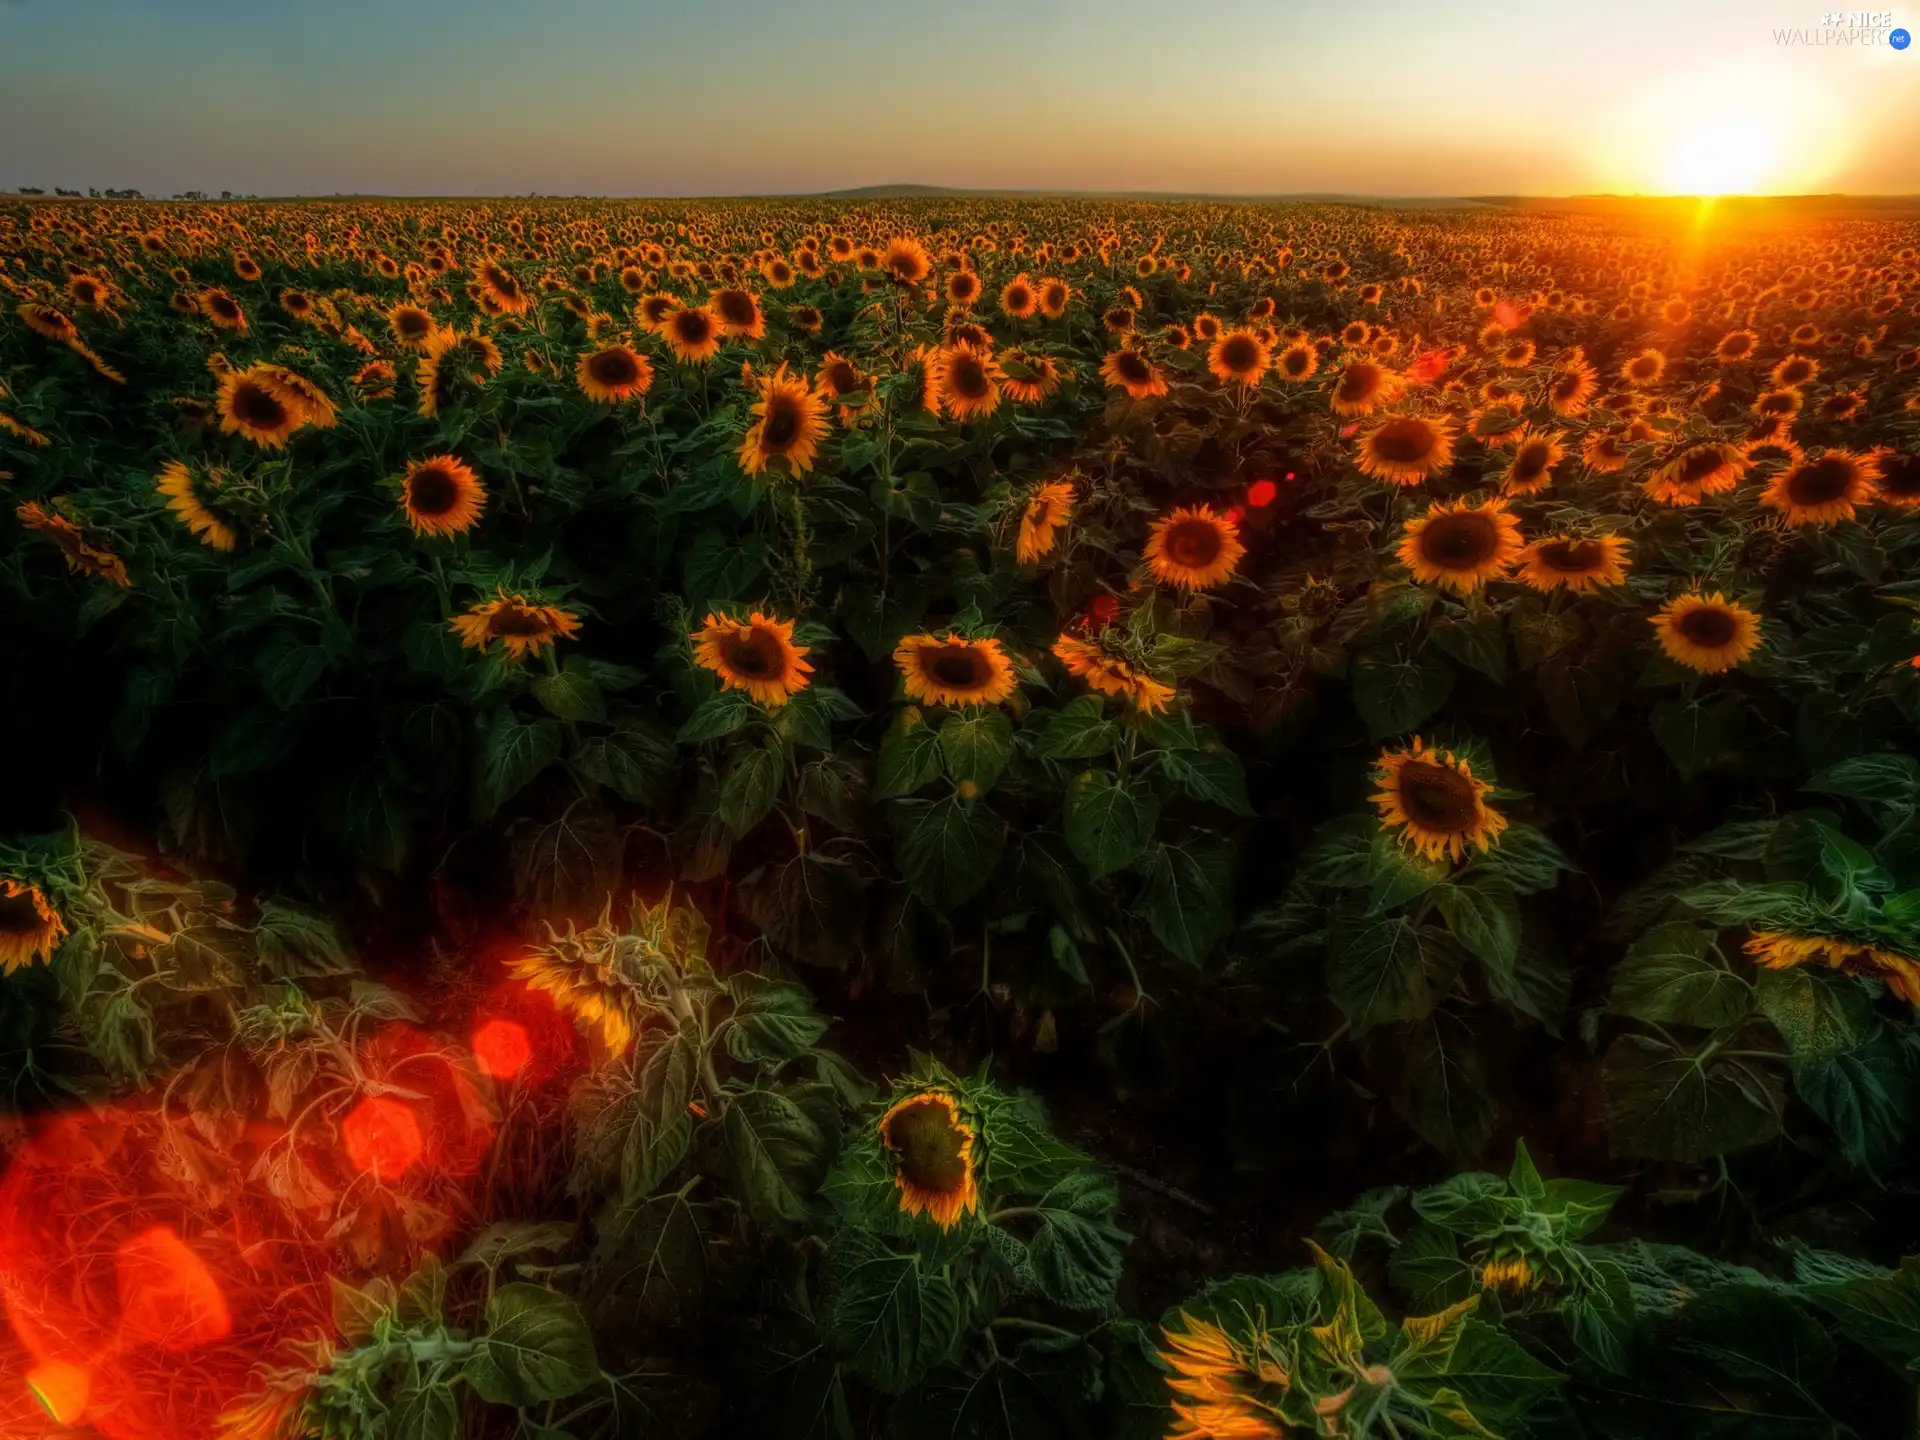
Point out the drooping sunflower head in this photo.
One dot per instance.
(1129, 370)
(1461, 546)
(1707, 633)
(1778, 950)
(83, 557)
(46, 321)
(195, 497)
(454, 359)
(1027, 378)
(1405, 450)
(931, 1147)
(522, 626)
(614, 373)
(441, 496)
(501, 290)
(585, 982)
(1194, 548)
(1820, 492)
(30, 928)
(1579, 564)
(950, 669)
(1697, 471)
(1109, 673)
(223, 310)
(1434, 800)
(1048, 508)
(756, 655)
(791, 422)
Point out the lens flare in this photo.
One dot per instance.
(502, 1049)
(382, 1137)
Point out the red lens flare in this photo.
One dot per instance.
(168, 1297)
(62, 1390)
(1262, 493)
(502, 1048)
(382, 1137)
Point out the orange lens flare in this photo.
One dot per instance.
(502, 1048)
(62, 1390)
(168, 1297)
(382, 1137)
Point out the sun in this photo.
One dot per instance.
(1724, 157)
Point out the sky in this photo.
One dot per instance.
(742, 97)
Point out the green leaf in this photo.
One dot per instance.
(1526, 859)
(1214, 776)
(655, 1125)
(773, 1021)
(1879, 1313)
(778, 1153)
(1818, 1015)
(1435, 1077)
(572, 694)
(635, 761)
(1076, 1252)
(750, 786)
(1428, 1269)
(1480, 643)
(1399, 874)
(1667, 1103)
(909, 755)
(1484, 916)
(1675, 974)
(949, 849)
(890, 1316)
(426, 1412)
(1497, 1378)
(288, 668)
(1394, 695)
(512, 754)
(1188, 896)
(537, 1348)
(1388, 970)
(1695, 733)
(1865, 1096)
(717, 717)
(976, 746)
(1079, 730)
(1891, 779)
(1108, 824)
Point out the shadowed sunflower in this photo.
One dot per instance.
(1568, 563)
(1132, 372)
(1534, 456)
(756, 655)
(584, 986)
(1363, 387)
(1047, 510)
(692, 333)
(1239, 357)
(1820, 492)
(1433, 799)
(1779, 951)
(968, 381)
(454, 359)
(792, 422)
(30, 928)
(1405, 449)
(1899, 482)
(522, 626)
(1696, 472)
(1055, 295)
(1707, 633)
(1461, 546)
(1026, 378)
(252, 407)
(839, 380)
(83, 558)
(46, 321)
(308, 400)
(223, 310)
(194, 498)
(952, 670)
(411, 326)
(739, 314)
(1194, 548)
(441, 496)
(931, 1148)
(1110, 674)
(614, 374)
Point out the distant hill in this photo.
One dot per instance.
(925, 192)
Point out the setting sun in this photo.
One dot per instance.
(1724, 157)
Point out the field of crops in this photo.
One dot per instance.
(985, 819)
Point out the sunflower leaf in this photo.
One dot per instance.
(537, 1348)
(889, 1317)
(1108, 823)
(949, 848)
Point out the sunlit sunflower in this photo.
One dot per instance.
(583, 985)
(1194, 548)
(223, 310)
(194, 498)
(1571, 388)
(1111, 674)
(1048, 509)
(1363, 387)
(1432, 798)
(30, 928)
(502, 289)
(1018, 298)
(411, 326)
(692, 334)
(1644, 369)
(1561, 562)
(523, 627)
(1405, 450)
(962, 288)
(249, 406)
(1779, 951)
(1055, 295)
(1899, 484)
(791, 423)
(441, 496)
(614, 374)
(1132, 372)
(931, 1148)
(1535, 453)
(1298, 361)
(1736, 345)
(756, 655)
(1820, 492)
(652, 310)
(82, 556)
(904, 260)
(1461, 546)
(968, 381)
(952, 670)
(1604, 452)
(1707, 633)
(739, 314)
(1239, 357)
(1026, 378)
(1696, 472)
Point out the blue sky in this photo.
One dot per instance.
(633, 97)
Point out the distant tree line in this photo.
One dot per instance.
(127, 194)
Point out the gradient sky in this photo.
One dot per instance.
(639, 97)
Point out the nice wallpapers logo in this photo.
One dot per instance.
(1846, 27)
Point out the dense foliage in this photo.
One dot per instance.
(899, 791)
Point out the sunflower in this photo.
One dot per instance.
(692, 333)
(963, 288)
(441, 496)
(1534, 456)
(194, 499)
(792, 422)
(1112, 675)
(522, 625)
(1405, 449)
(1362, 387)
(931, 1148)
(1795, 371)
(411, 326)
(1564, 562)
(1461, 546)
(1239, 357)
(1218, 1385)
(968, 381)
(502, 291)
(1899, 482)
(223, 310)
(1026, 378)
(30, 928)
(1507, 1272)
(950, 669)
(1644, 369)
(1707, 633)
(1736, 345)
(739, 314)
(1605, 452)
(614, 374)
(251, 407)
(1571, 388)
(756, 655)
(1819, 492)
(82, 557)
(26, 434)
(1298, 361)
(454, 358)
(904, 260)
(1696, 472)
(1055, 295)
(1132, 372)
(1779, 951)
(1047, 510)
(839, 379)
(653, 310)
(594, 993)
(1432, 797)
(308, 400)
(46, 321)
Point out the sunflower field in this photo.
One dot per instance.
(984, 819)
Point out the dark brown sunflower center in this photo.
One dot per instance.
(928, 1147)
(1701, 465)
(1709, 627)
(1643, 368)
(735, 306)
(1131, 368)
(1901, 476)
(1573, 557)
(1437, 796)
(756, 655)
(1195, 544)
(614, 367)
(842, 377)
(657, 309)
(1568, 386)
(1295, 362)
(414, 323)
(1825, 480)
(1459, 542)
(962, 285)
(1404, 441)
(1794, 371)
(1018, 297)
(958, 667)
(518, 620)
(967, 377)
(254, 406)
(1736, 345)
(1531, 461)
(432, 490)
(782, 425)
(18, 914)
(1359, 383)
(1240, 354)
(223, 306)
